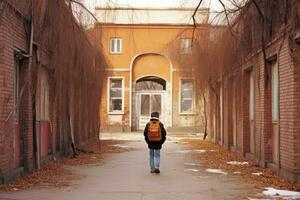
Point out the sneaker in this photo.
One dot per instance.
(152, 171)
(157, 171)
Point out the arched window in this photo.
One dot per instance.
(150, 83)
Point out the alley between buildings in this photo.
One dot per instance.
(126, 176)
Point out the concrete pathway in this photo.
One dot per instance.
(126, 176)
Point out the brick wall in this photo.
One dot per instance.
(17, 138)
(296, 60)
(289, 101)
(288, 60)
(13, 36)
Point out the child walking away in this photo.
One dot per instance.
(155, 136)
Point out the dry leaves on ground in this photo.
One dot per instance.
(219, 156)
(54, 172)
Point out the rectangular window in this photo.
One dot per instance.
(186, 96)
(116, 95)
(115, 45)
(275, 92)
(186, 45)
(252, 96)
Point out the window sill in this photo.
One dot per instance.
(187, 113)
(116, 113)
(117, 53)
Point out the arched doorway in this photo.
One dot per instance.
(150, 95)
(151, 89)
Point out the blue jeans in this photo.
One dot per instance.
(154, 158)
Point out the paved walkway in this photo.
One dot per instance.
(125, 176)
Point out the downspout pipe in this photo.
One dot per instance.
(30, 63)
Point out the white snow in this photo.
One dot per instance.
(200, 151)
(191, 164)
(257, 173)
(121, 146)
(191, 170)
(237, 163)
(191, 151)
(216, 171)
(284, 194)
(237, 173)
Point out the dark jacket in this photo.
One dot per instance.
(158, 144)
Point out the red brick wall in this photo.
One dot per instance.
(12, 35)
(239, 110)
(245, 111)
(289, 99)
(296, 61)
(289, 103)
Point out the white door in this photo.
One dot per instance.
(148, 103)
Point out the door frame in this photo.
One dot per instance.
(138, 104)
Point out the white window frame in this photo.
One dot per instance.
(193, 98)
(122, 78)
(111, 44)
(186, 48)
(275, 116)
(252, 95)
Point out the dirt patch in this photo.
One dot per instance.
(217, 157)
(54, 173)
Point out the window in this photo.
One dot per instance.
(186, 45)
(275, 95)
(252, 96)
(116, 95)
(115, 45)
(186, 96)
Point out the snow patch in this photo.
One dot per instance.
(237, 173)
(257, 173)
(237, 163)
(121, 146)
(191, 164)
(216, 171)
(200, 151)
(191, 170)
(192, 151)
(285, 194)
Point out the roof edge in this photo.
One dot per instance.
(151, 8)
(154, 24)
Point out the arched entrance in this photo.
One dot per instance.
(151, 89)
(150, 95)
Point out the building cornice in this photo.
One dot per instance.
(153, 25)
(152, 8)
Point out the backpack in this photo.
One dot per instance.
(154, 131)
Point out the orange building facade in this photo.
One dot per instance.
(148, 70)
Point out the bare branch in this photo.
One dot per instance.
(258, 9)
(194, 19)
(85, 8)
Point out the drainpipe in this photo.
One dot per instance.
(35, 136)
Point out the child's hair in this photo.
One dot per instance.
(155, 114)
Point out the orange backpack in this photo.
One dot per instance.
(154, 131)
